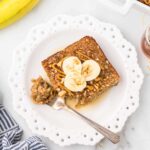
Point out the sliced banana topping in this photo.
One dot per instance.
(71, 65)
(77, 74)
(90, 69)
(75, 82)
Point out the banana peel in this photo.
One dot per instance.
(14, 11)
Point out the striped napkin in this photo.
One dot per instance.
(11, 133)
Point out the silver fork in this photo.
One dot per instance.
(59, 103)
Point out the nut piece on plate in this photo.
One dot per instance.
(81, 71)
(41, 91)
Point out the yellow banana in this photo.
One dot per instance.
(12, 10)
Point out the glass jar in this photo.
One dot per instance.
(146, 42)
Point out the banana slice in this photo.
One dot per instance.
(90, 69)
(71, 65)
(75, 82)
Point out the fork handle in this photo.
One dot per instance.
(114, 138)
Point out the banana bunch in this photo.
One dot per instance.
(12, 10)
(77, 73)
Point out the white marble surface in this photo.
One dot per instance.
(136, 133)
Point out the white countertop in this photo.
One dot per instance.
(136, 133)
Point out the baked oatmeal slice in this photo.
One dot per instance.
(84, 49)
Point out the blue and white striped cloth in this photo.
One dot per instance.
(11, 133)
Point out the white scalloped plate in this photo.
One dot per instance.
(115, 105)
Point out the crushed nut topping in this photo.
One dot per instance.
(41, 91)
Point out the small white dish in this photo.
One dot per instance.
(114, 106)
(124, 6)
